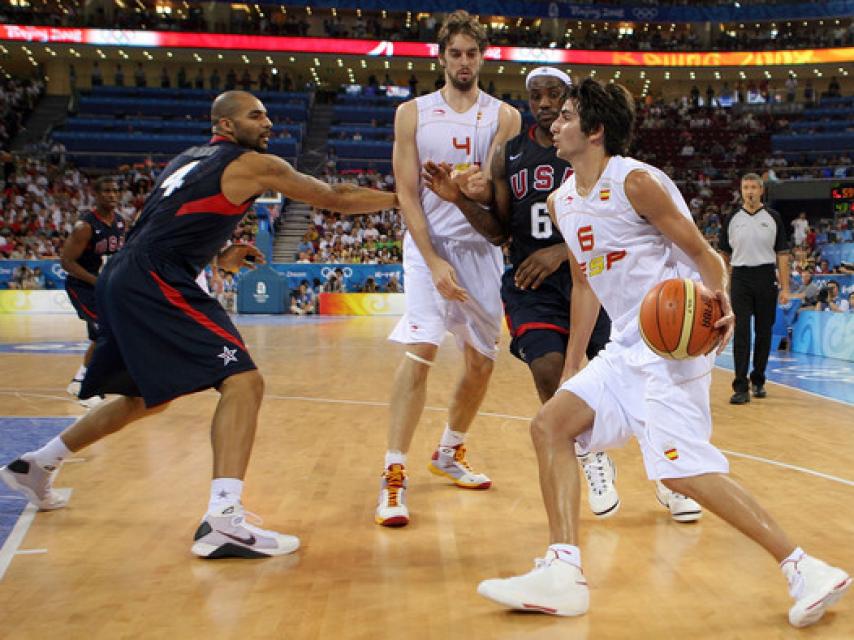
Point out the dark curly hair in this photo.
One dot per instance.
(609, 105)
(461, 21)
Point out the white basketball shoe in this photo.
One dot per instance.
(391, 505)
(814, 585)
(554, 586)
(25, 476)
(226, 534)
(451, 463)
(600, 473)
(681, 507)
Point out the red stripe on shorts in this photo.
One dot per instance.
(530, 326)
(174, 297)
(86, 309)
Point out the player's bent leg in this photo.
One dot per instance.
(407, 404)
(234, 423)
(33, 473)
(554, 428)
(556, 585)
(108, 417)
(449, 458)
(409, 394)
(224, 532)
(813, 584)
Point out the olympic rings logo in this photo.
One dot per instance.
(328, 271)
(645, 13)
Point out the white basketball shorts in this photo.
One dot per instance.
(663, 403)
(429, 316)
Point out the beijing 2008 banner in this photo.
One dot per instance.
(385, 48)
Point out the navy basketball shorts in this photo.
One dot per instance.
(538, 319)
(82, 298)
(162, 336)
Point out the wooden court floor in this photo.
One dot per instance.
(118, 562)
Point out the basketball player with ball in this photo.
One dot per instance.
(628, 229)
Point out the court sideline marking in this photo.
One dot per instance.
(506, 416)
(16, 536)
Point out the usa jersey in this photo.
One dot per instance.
(187, 219)
(622, 255)
(533, 172)
(461, 139)
(106, 240)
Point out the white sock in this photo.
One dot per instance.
(394, 457)
(796, 555)
(451, 438)
(224, 491)
(81, 372)
(50, 456)
(567, 553)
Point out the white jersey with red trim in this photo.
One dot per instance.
(622, 255)
(461, 139)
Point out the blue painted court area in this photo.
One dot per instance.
(826, 377)
(18, 435)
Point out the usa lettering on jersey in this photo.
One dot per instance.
(542, 179)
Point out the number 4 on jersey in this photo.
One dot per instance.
(176, 180)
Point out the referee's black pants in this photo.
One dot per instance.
(753, 295)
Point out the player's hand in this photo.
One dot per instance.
(472, 182)
(539, 265)
(567, 373)
(784, 298)
(445, 279)
(726, 324)
(437, 178)
(240, 255)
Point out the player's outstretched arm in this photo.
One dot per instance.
(650, 199)
(254, 173)
(73, 248)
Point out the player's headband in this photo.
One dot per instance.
(547, 72)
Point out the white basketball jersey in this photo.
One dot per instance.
(622, 254)
(443, 135)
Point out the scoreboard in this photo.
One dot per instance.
(842, 195)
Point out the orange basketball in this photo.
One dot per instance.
(677, 319)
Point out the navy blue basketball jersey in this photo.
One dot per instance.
(186, 219)
(106, 240)
(533, 172)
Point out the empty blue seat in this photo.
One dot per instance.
(374, 149)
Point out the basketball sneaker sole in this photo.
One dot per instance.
(518, 603)
(815, 611)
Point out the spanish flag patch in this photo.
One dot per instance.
(604, 194)
(671, 453)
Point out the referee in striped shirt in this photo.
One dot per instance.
(753, 242)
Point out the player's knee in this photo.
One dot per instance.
(480, 367)
(545, 426)
(249, 384)
(546, 371)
